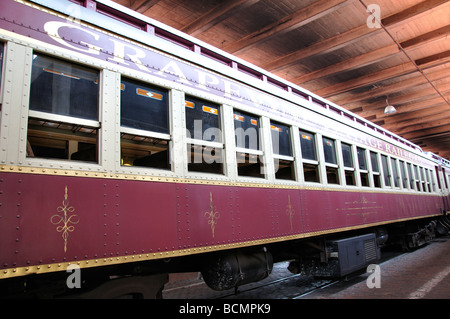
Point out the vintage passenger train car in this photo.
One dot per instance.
(131, 150)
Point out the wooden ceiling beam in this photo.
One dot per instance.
(390, 73)
(301, 17)
(351, 36)
(350, 64)
(415, 111)
(427, 123)
(391, 88)
(143, 5)
(217, 14)
(367, 79)
(435, 132)
(378, 107)
(426, 38)
(375, 55)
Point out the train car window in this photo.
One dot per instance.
(64, 88)
(246, 130)
(386, 172)
(375, 169)
(422, 179)
(410, 176)
(248, 153)
(144, 136)
(436, 169)
(362, 162)
(329, 150)
(308, 145)
(63, 122)
(60, 140)
(348, 164)
(309, 156)
(282, 153)
(395, 172)
(445, 178)
(417, 178)
(281, 139)
(144, 107)
(427, 178)
(362, 158)
(1, 63)
(347, 155)
(404, 174)
(205, 147)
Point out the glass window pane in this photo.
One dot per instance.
(308, 145)
(1, 62)
(386, 173)
(58, 140)
(144, 151)
(144, 107)
(347, 155)
(362, 159)
(249, 165)
(403, 174)
(411, 176)
(395, 172)
(281, 139)
(311, 172)
(374, 162)
(246, 130)
(329, 150)
(203, 120)
(63, 88)
(284, 169)
(205, 159)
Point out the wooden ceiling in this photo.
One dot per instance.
(338, 50)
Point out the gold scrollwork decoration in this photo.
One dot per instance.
(212, 215)
(290, 211)
(65, 219)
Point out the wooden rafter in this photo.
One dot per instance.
(297, 19)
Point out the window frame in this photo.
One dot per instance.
(331, 169)
(395, 173)
(250, 153)
(386, 172)
(289, 160)
(376, 174)
(314, 164)
(142, 133)
(349, 171)
(193, 142)
(2, 65)
(363, 172)
(56, 119)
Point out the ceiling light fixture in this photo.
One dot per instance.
(389, 109)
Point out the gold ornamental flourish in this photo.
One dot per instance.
(290, 211)
(65, 220)
(212, 215)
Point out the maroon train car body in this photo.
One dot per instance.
(57, 212)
